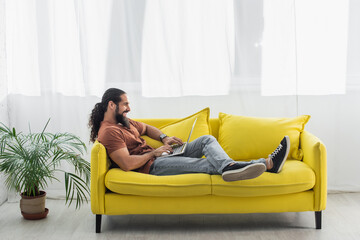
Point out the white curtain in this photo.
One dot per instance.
(56, 46)
(109, 34)
(304, 47)
(56, 53)
(187, 48)
(64, 46)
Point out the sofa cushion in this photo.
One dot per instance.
(251, 137)
(181, 128)
(134, 183)
(295, 177)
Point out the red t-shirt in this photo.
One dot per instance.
(116, 136)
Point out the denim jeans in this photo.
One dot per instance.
(192, 162)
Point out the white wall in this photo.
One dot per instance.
(335, 120)
(3, 89)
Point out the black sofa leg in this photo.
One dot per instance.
(98, 223)
(318, 219)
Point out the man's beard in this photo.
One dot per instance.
(121, 119)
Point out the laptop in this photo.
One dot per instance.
(181, 149)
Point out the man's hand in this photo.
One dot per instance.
(165, 148)
(172, 140)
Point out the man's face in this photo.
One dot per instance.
(122, 108)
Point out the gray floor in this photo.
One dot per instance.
(341, 220)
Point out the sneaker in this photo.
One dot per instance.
(237, 172)
(279, 155)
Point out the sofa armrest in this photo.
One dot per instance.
(315, 156)
(99, 167)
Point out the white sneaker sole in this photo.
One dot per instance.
(248, 172)
(286, 153)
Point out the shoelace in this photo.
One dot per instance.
(277, 150)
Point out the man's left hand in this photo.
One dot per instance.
(172, 140)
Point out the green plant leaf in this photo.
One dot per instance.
(30, 161)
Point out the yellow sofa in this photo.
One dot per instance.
(300, 186)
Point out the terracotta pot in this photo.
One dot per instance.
(33, 207)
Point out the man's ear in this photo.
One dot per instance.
(111, 105)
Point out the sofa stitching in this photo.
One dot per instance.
(223, 185)
(275, 185)
(170, 185)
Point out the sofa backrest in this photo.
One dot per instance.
(159, 122)
(242, 137)
(214, 124)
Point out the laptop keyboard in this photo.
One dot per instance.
(178, 149)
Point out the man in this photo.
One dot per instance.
(121, 137)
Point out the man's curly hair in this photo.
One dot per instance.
(97, 114)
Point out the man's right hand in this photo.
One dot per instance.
(165, 148)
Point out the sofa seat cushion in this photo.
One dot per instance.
(140, 184)
(296, 176)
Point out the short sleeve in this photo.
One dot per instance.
(138, 125)
(112, 139)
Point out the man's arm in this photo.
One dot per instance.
(152, 132)
(129, 162)
(155, 133)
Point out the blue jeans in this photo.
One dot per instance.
(192, 162)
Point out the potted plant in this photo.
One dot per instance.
(29, 161)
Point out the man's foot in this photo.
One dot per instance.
(280, 154)
(236, 172)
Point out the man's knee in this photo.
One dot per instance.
(208, 138)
